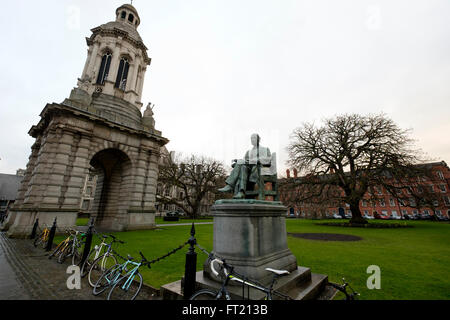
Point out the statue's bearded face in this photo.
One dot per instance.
(254, 139)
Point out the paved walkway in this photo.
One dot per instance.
(27, 273)
(182, 224)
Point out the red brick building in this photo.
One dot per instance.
(385, 204)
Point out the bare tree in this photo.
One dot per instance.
(350, 156)
(196, 179)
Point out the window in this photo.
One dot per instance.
(447, 200)
(442, 188)
(404, 212)
(104, 68)
(121, 80)
(392, 202)
(415, 211)
(123, 14)
(408, 190)
(394, 213)
(419, 189)
(435, 203)
(379, 190)
(431, 188)
(364, 203)
(366, 212)
(382, 203)
(440, 175)
(89, 191)
(412, 202)
(85, 205)
(130, 18)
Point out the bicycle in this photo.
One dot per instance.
(343, 288)
(93, 254)
(42, 238)
(128, 284)
(72, 248)
(60, 246)
(102, 262)
(208, 294)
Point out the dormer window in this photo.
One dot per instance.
(104, 68)
(121, 80)
(123, 14)
(130, 18)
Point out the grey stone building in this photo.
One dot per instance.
(9, 186)
(98, 131)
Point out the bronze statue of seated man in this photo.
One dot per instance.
(246, 172)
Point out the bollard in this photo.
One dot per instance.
(190, 267)
(51, 236)
(87, 244)
(33, 232)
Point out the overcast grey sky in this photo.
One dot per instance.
(222, 70)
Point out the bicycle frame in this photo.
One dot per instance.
(129, 273)
(230, 275)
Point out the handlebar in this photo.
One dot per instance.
(115, 239)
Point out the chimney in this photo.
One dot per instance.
(288, 173)
(295, 173)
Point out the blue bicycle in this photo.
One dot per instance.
(124, 280)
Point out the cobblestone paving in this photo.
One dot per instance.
(27, 273)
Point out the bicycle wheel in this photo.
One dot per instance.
(77, 254)
(107, 279)
(122, 290)
(37, 240)
(44, 241)
(66, 252)
(88, 263)
(99, 266)
(204, 294)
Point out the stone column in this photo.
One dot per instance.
(142, 205)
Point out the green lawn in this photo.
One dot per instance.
(414, 262)
(160, 220)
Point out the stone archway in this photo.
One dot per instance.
(114, 184)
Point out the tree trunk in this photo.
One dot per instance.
(356, 214)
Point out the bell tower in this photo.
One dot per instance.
(116, 60)
(97, 134)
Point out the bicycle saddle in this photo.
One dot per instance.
(129, 257)
(278, 272)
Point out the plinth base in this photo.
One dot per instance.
(299, 285)
(251, 236)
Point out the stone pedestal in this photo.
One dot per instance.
(251, 236)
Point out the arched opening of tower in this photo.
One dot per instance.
(113, 170)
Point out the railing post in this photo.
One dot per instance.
(87, 244)
(190, 267)
(51, 236)
(33, 232)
